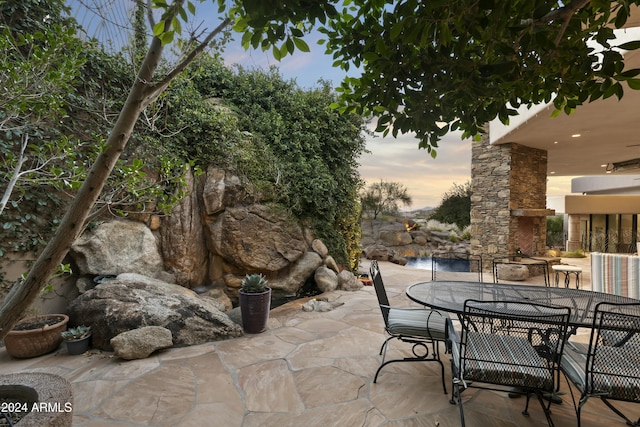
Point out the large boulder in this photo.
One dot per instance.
(348, 282)
(512, 272)
(117, 246)
(183, 244)
(378, 252)
(221, 190)
(292, 279)
(326, 279)
(132, 301)
(257, 237)
(395, 238)
(142, 342)
(383, 253)
(318, 246)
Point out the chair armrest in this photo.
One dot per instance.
(452, 338)
(424, 309)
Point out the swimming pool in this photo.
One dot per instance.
(441, 264)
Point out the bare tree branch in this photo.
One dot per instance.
(159, 87)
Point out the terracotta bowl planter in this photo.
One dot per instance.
(35, 336)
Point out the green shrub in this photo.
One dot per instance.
(578, 253)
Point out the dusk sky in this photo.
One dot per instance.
(391, 159)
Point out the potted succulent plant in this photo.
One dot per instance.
(77, 339)
(255, 302)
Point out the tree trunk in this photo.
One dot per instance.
(142, 93)
(22, 296)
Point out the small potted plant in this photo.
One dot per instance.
(255, 303)
(77, 339)
(518, 256)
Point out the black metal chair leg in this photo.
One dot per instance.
(526, 405)
(384, 345)
(414, 359)
(620, 414)
(462, 423)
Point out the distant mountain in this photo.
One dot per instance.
(419, 213)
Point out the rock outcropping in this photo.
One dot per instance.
(216, 235)
(400, 238)
(135, 273)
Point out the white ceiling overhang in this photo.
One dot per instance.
(609, 130)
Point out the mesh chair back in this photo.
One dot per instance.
(413, 326)
(512, 343)
(381, 293)
(613, 359)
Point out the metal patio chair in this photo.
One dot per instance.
(508, 346)
(424, 329)
(609, 366)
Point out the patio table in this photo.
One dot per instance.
(450, 296)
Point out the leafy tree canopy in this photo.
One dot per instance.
(384, 198)
(555, 231)
(431, 67)
(455, 207)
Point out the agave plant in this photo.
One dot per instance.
(76, 333)
(254, 283)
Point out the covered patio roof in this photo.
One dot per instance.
(609, 130)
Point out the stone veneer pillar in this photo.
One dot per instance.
(573, 236)
(508, 201)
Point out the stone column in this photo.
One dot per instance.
(528, 199)
(490, 217)
(573, 233)
(508, 202)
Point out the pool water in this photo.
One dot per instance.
(451, 265)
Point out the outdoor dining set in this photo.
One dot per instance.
(518, 339)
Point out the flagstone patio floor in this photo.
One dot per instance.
(308, 369)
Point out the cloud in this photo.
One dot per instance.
(427, 179)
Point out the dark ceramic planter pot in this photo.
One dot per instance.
(79, 346)
(254, 308)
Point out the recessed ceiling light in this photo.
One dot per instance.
(576, 135)
(555, 142)
(552, 173)
(603, 165)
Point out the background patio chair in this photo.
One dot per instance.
(609, 366)
(421, 327)
(508, 346)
